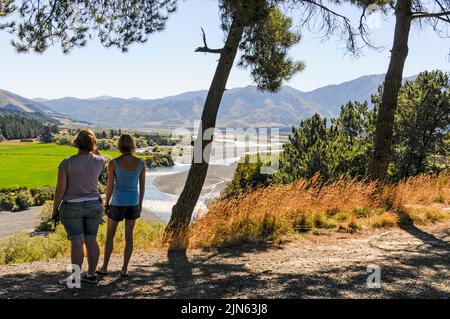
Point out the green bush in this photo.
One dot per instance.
(18, 198)
(45, 216)
(23, 201)
(7, 201)
(64, 140)
(27, 248)
(41, 195)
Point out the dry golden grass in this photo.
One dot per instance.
(281, 211)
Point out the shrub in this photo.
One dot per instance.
(24, 247)
(64, 140)
(23, 201)
(17, 198)
(41, 195)
(7, 201)
(45, 216)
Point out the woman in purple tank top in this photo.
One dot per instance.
(78, 204)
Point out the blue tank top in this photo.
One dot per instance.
(126, 185)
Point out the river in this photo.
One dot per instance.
(158, 204)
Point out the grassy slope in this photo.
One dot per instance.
(33, 164)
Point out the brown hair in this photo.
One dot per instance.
(126, 144)
(85, 140)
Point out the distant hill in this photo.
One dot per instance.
(33, 108)
(13, 103)
(241, 107)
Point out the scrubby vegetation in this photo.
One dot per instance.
(279, 212)
(158, 159)
(17, 198)
(24, 247)
(107, 139)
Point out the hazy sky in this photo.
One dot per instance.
(167, 64)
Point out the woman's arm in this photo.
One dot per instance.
(110, 185)
(60, 190)
(142, 186)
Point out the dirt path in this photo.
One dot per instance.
(414, 262)
(11, 223)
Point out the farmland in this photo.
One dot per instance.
(33, 164)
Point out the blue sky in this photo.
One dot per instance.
(167, 64)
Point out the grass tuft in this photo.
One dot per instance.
(307, 206)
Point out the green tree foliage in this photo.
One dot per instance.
(2, 138)
(116, 23)
(247, 176)
(344, 146)
(341, 148)
(14, 126)
(421, 124)
(47, 134)
(265, 51)
(408, 13)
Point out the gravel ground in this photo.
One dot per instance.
(11, 223)
(414, 263)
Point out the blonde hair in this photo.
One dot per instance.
(85, 140)
(126, 144)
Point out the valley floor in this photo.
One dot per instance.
(414, 263)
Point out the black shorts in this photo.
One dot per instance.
(119, 213)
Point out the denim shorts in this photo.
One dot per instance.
(81, 220)
(119, 213)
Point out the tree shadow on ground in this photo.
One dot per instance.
(407, 224)
(224, 274)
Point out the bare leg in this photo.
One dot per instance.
(109, 245)
(93, 253)
(76, 252)
(129, 228)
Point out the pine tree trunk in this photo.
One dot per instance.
(176, 230)
(379, 162)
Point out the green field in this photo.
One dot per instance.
(33, 164)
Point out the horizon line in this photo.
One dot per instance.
(200, 90)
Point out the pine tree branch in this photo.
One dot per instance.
(205, 48)
(444, 16)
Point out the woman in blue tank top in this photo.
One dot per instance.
(123, 199)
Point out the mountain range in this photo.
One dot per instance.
(240, 107)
